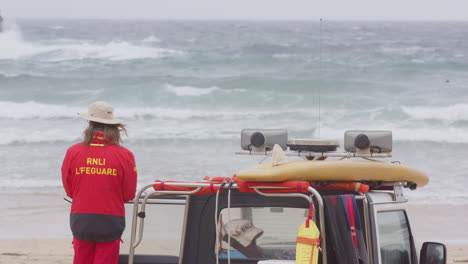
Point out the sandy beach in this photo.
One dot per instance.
(36, 230)
(46, 251)
(444, 224)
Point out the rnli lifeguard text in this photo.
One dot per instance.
(96, 170)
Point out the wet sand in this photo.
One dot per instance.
(35, 230)
(444, 224)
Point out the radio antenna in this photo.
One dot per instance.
(320, 73)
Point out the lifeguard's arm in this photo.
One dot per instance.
(129, 179)
(66, 175)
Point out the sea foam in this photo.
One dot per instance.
(151, 123)
(151, 39)
(456, 112)
(15, 47)
(34, 110)
(189, 90)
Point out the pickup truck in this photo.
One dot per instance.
(189, 222)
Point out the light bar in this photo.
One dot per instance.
(313, 145)
(261, 140)
(368, 141)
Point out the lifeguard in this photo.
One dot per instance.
(100, 176)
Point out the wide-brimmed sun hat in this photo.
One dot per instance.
(243, 231)
(101, 112)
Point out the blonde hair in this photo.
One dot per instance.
(111, 133)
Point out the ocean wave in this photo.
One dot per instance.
(33, 137)
(145, 131)
(16, 75)
(138, 134)
(15, 47)
(173, 123)
(112, 51)
(416, 134)
(408, 50)
(35, 110)
(457, 112)
(151, 39)
(448, 135)
(8, 184)
(283, 55)
(189, 90)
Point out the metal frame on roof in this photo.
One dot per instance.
(143, 198)
(154, 197)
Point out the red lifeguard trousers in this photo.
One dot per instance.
(87, 252)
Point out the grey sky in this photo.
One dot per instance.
(239, 9)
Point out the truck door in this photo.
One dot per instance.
(394, 241)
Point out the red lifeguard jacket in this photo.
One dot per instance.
(100, 178)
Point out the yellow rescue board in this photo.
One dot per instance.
(306, 170)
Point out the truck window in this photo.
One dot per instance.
(162, 230)
(394, 237)
(262, 232)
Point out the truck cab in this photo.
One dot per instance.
(231, 220)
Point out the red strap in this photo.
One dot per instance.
(311, 211)
(212, 187)
(310, 215)
(314, 242)
(352, 221)
(308, 241)
(162, 186)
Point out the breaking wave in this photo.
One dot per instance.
(15, 47)
(401, 133)
(456, 112)
(35, 110)
(189, 90)
(151, 39)
(408, 50)
(153, 123)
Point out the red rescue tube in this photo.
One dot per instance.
(217, 179)
(291, 186)
(245, 186)
(345, 186)
(166, 186)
